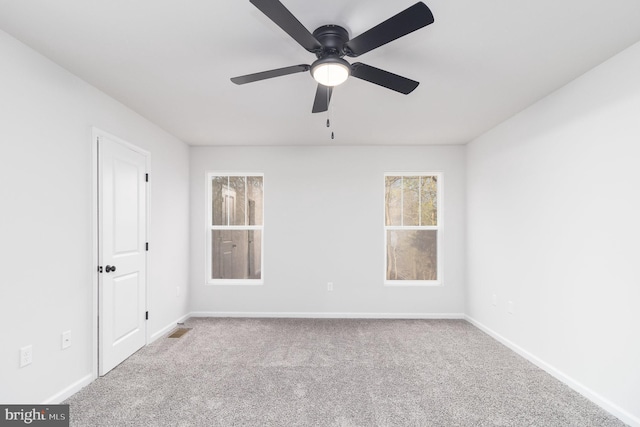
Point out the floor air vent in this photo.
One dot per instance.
(179, 332)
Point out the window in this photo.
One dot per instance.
(235, 228)
(412, 228)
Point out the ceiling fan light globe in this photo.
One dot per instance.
(330, 73)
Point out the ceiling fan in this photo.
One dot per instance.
(330, 43)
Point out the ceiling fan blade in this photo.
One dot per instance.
(323, 96)
(249, 78)
(405, 22)
(285, 20)
(383, 78)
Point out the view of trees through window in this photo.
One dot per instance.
(236, 227)
(411, 227)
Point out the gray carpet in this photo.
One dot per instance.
(330, 372)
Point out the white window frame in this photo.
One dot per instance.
(210, 227)
(439, 227)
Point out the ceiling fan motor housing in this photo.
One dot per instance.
(332, 38)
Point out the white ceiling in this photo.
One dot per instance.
(478, 64)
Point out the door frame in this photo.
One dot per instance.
(96, 133)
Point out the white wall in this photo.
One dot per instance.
(554, 226)
(324, 223)
(46, 117)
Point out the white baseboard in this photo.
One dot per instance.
(70, 391)
(604, 403)
(165, 330)
(328, 315)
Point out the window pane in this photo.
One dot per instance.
(429, 200)
(236, 254)
(236, 200)
(412, 255)
(219, 210)
(411, 200)
(393, 200)
(254, 200)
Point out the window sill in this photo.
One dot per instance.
(412, 283)
(231, 282)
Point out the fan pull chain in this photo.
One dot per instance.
(329, 114)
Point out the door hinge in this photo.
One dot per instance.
(147, 245)
(146, 177)
(146, 316)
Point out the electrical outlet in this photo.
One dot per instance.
(510, 307)
(26, 356)
(66, 339)
(494, 299)
(330, 286)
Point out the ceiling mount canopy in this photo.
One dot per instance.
(330, 43)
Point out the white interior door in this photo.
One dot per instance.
(122, 211)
